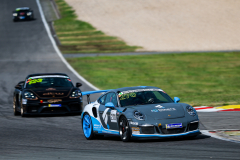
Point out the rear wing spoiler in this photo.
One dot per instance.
(92, 92)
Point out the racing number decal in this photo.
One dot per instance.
(127, 95)
(31, 81)
(113, 116)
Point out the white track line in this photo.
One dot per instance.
(206, 132)
(57, 50)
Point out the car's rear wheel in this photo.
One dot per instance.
(87, 127)
(124, 129)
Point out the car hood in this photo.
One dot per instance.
(161, 111)
(58, 92)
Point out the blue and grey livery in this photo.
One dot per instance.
(138, 113)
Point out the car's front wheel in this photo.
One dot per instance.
(124, 129)
(15, 107)
(22, 112)
(87, 127)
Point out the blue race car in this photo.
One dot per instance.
(141, 112)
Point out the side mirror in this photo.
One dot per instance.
(176, 99)
(78, 84)
(109, 105)
(19, 86)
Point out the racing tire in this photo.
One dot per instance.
(87, 127)
(15, 112)
(22, 112)
(124, 129)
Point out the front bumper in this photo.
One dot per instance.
(22, 17)
(160, 136)
(73, 106)
(159, 130)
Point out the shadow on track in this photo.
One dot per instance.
(49, 115)
(25, 20)
(116, 138)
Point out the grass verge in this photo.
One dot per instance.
(198, 78)
(81, 37)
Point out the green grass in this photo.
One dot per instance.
(79, 37)
(198, 78)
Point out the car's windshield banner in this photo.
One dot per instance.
(49, 76)
(139, 90)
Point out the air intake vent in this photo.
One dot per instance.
(192, 126)
(172, 131)
(94, 110)
(148, 130)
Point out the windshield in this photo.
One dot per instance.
(45, 82)
(139, 97)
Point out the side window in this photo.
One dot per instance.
(160, 97)
(114, 100)
(111, 97)
(102, 100)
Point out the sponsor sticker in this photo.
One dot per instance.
(113, 116)
(54, 105)
(159, 106)
(134, 123)
(97, 126)
(154, 110)
(49, 89)
(135, 130)
(168, 109)
(54, 100)
(174, 125)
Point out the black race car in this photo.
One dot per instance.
(47, 93)
(23, 13)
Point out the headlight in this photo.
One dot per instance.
(15, 14)
(76, 94)
(30, 95)
(191, 110)
(29, 13)
(138, 115)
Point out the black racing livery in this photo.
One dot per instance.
(23, 13)
(47, 93)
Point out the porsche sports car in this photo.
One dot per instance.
(141, 112)
(23, 13)
(47, 93)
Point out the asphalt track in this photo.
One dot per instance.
(25, 48)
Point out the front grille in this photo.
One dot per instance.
(33, 109)
(148, 130)
(75, 107)
(193, 126)
(54, 110)
(172, 131)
